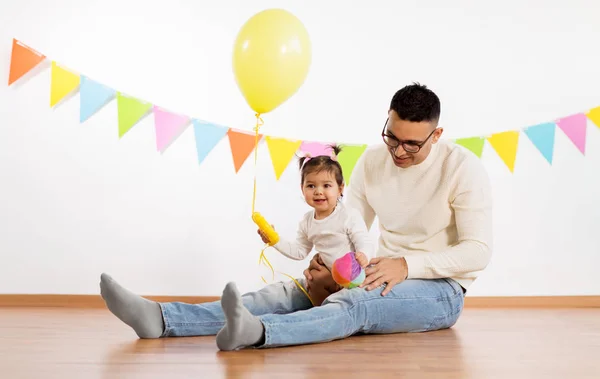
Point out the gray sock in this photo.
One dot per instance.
(242, 329)
(143, 315)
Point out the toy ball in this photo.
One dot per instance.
(347, 272)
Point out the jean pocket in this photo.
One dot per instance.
(457, 288)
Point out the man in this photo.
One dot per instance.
(433, 203)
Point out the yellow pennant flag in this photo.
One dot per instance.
(594, 116)
(506, 144)
(282, 151)
(62, 83)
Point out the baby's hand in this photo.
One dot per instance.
(361, 258)
(263, 236)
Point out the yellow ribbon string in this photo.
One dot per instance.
(259, 123)
(262, 258)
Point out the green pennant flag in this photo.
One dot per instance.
(131, 111)
(475, 144)
(348, 158)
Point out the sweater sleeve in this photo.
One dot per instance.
(359, 234)
(472, 205)
(298, 249)
(356, 193)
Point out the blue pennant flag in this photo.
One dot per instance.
(542, 136)
(93, 96)
(208, 136)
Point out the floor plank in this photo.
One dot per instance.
(486, 343)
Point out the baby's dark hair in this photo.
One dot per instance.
(322, 162)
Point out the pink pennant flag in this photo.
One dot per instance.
(316, 148)
(168, 127)
(575, 127)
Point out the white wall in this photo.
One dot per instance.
(76, 201)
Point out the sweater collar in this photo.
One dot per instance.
(426, 163)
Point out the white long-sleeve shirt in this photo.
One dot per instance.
(437, 214)
(343, 231)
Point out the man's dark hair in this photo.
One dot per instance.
(416, 103)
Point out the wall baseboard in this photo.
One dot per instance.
(84, 301)
(95, 301)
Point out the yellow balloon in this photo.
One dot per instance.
(271, 58)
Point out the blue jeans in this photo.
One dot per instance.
(290, 319)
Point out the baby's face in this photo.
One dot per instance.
(321, 191)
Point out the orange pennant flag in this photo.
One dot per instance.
(242, 144)
(282, 151)
(22, 60)
(505, 144)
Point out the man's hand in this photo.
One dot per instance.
(315, 264)
(319, 282)
(385, 270)
(361, 258)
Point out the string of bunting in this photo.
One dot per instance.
(93, 96)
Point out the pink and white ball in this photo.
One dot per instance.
(347, 272)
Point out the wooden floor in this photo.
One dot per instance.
(45, 343)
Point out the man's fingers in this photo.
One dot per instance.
(318, 259)
(376, 284)
(314, 266)
(371, 278)
(371, 270)
(375, 260)
(307, 275)
(389, 287)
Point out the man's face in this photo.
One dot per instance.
(409, 143)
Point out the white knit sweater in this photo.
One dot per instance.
(437, 214)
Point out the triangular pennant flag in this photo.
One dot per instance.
(62, 83)
(575, 127)
(282, 151)
(131, 111)
(505, 144)
(168, 127)
(23, 59)
(92, 97)
(348, 157)
(542, 136)
(316, 148)
(207, 136)
(594, 116)
(475, 144)
(242, 144)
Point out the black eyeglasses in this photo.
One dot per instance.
(408, 146)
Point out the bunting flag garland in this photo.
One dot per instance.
(242, 144)
(594, 116)
(316, 148)
(170, 125)
(93, 96)
(575, 127)
(207, 136)
(131, 111)
(505, 144)
(62, 83)
(475, 144)
(281, 151)
(23, 59)
(542, 137)
(348, 158)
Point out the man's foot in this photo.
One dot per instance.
(144, 316)
(242, 329)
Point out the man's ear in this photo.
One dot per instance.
(437, 134)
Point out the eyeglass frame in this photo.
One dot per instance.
(403, 143)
